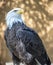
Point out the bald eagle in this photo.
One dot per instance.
(23, 42)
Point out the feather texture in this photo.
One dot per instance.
(30, 47)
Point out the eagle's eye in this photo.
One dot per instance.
(15, 10)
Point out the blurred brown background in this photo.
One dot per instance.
(38, 14)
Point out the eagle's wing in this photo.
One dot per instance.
(32, 44)
(27, 46)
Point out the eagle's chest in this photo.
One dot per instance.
(11, 39)
(11, 36)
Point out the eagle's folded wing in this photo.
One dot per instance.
(32, 44)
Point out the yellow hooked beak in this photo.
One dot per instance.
(20, 12)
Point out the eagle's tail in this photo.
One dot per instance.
(48, 61)
(36, 62)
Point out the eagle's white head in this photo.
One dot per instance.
(14, 16)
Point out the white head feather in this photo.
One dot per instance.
(13, 16)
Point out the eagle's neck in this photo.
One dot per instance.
(13, 20)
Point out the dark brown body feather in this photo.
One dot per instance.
(25, 45)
